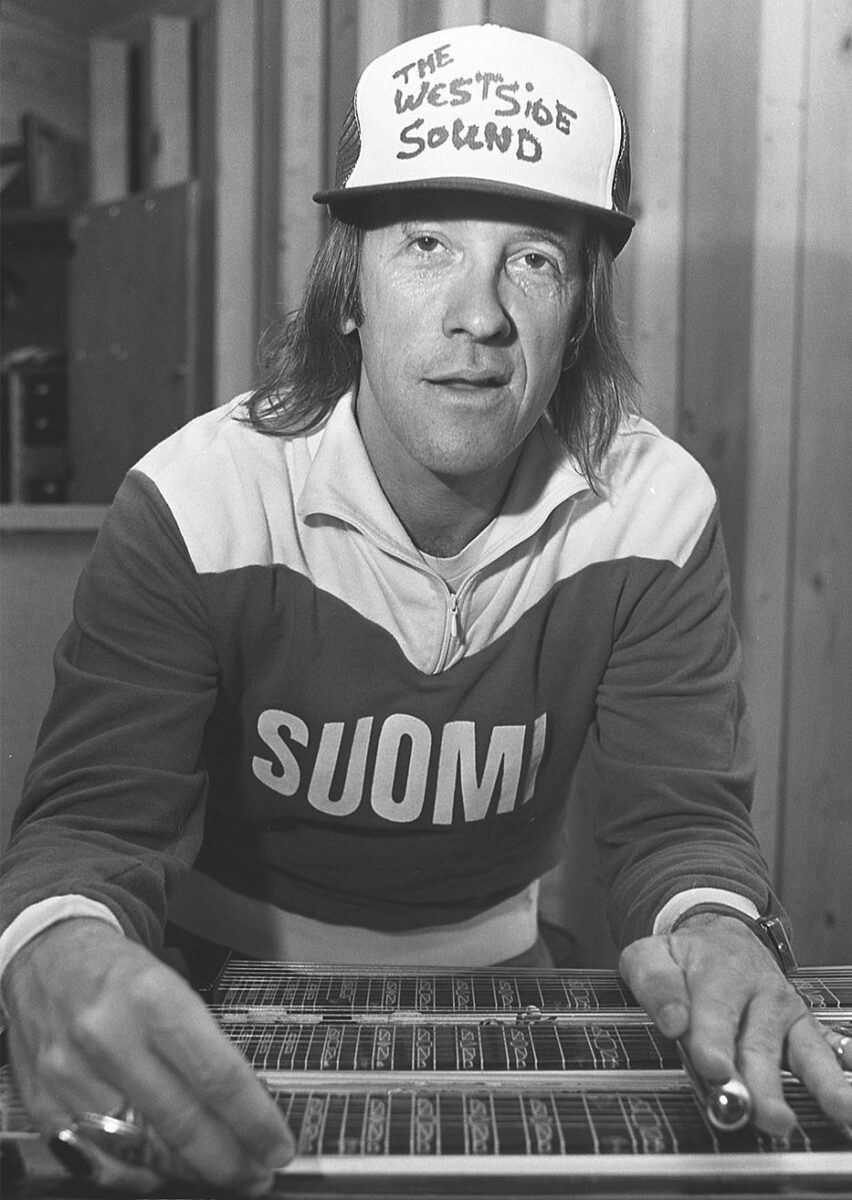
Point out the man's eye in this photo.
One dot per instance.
(538, 262)
(426, 242)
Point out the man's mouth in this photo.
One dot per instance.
(471, 380)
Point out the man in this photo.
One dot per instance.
(342, 646)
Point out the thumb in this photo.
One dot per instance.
(658, 983)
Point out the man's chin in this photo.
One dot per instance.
(475, 459)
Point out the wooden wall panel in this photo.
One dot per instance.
(295, 136)
(302, 146)
(816, 878)
(341, 75)
(381, 25)
(569, 21)
(653, 301)
(235, 171)
(772, 409)
(526, 15)
(460, 12)
(269, 149)
(170, 100)
(108, 119)
(719, 154)
(205, 69)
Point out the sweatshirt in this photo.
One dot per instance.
(264, 677)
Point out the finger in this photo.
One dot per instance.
(657, 982)
(718, 1003)
(812, 1058)
(56, 1083)
(60, 1086)
(760, 1051)
(218, 1074)
(149, 1038)
(169, 1035)
(841, 1044)
(199, 1143)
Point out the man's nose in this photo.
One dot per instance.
(474, 305)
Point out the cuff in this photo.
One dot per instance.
(680, 904)
(40, 916)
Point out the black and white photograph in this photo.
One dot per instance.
(426, 599)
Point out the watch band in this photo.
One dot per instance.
(770, 930)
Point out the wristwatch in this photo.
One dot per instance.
(770, 930)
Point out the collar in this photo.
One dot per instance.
(341, 483)
(545, 477)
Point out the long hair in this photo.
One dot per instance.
(309, 363)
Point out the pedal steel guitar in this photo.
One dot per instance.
(461, 1083)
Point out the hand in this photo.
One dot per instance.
(716, 986)
(96, 1020)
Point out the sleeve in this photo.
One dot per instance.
(113, 803)
(670, 754)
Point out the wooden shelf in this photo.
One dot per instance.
(51, 518)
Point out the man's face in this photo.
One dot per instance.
(468, 305)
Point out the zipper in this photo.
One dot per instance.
(455, 622)
(452, 632)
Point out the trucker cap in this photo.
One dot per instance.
(483, 108)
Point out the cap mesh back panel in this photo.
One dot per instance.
(348, 148)
(621, 175)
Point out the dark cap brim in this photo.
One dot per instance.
(353, 204)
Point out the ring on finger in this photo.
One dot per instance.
(123, 1125)
(110, 1149)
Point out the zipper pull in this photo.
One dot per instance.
(454, 614)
